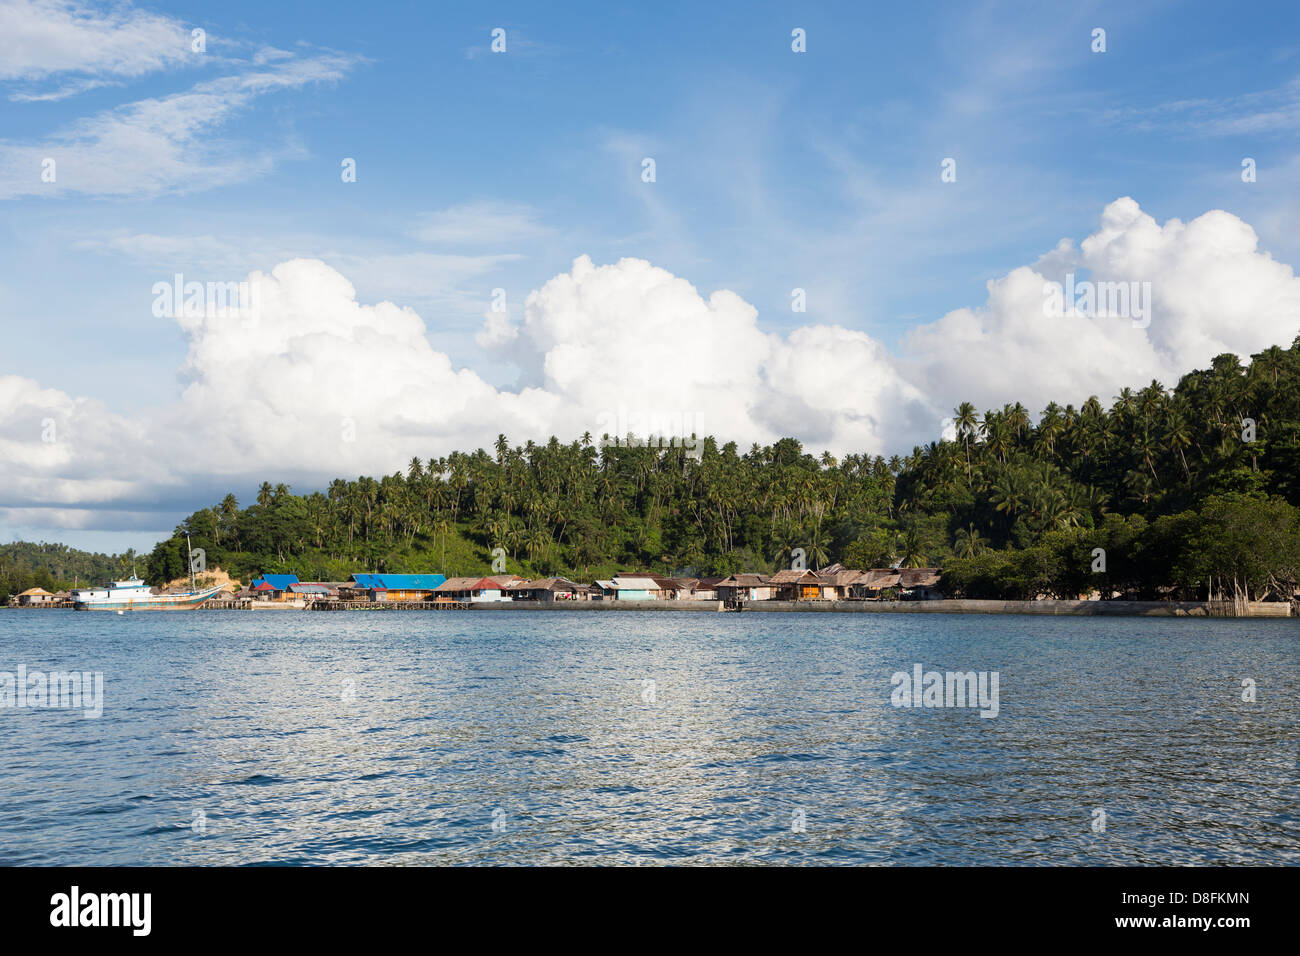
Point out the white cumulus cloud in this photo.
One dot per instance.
(318, 384)
(1213, 290)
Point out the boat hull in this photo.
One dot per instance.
(149, 602)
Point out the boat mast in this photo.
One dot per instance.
(190, 551)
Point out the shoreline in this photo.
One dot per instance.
(1051, 608)
(1256, 609)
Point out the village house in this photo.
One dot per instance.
(548, 590)
(874, 584)
(332, 587)
(409, 587)
(920, 584)
(311, 592)
(477, 590)
(796, 585)
(745, 587)
(278, 582)
(837, 584)
(636, 589)
(694, 589)
(352, 590)
(674, 589)
(632, 587)
(272, 587)
(706, 589)
(35, 596)
(391, 587)
(294, 595)
(697, 589)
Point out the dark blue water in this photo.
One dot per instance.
(301, 738)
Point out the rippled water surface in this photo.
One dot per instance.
(307, 738)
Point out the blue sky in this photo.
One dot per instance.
(479, 170)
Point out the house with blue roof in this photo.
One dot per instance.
(392, 587)
(278, 582)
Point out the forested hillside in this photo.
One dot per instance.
(25, 565)
(1181, 488)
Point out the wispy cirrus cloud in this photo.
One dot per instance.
(480, 223)
(1274, 110)
(163, 144)
(82, 48)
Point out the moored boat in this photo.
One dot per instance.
(134, 595)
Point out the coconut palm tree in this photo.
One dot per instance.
(911, 550)
(966, 421)
(818, 542)
(968, 542)
(442, 526)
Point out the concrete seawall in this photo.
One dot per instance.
(1256, 609)
(1075, 608)
(714, 606)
